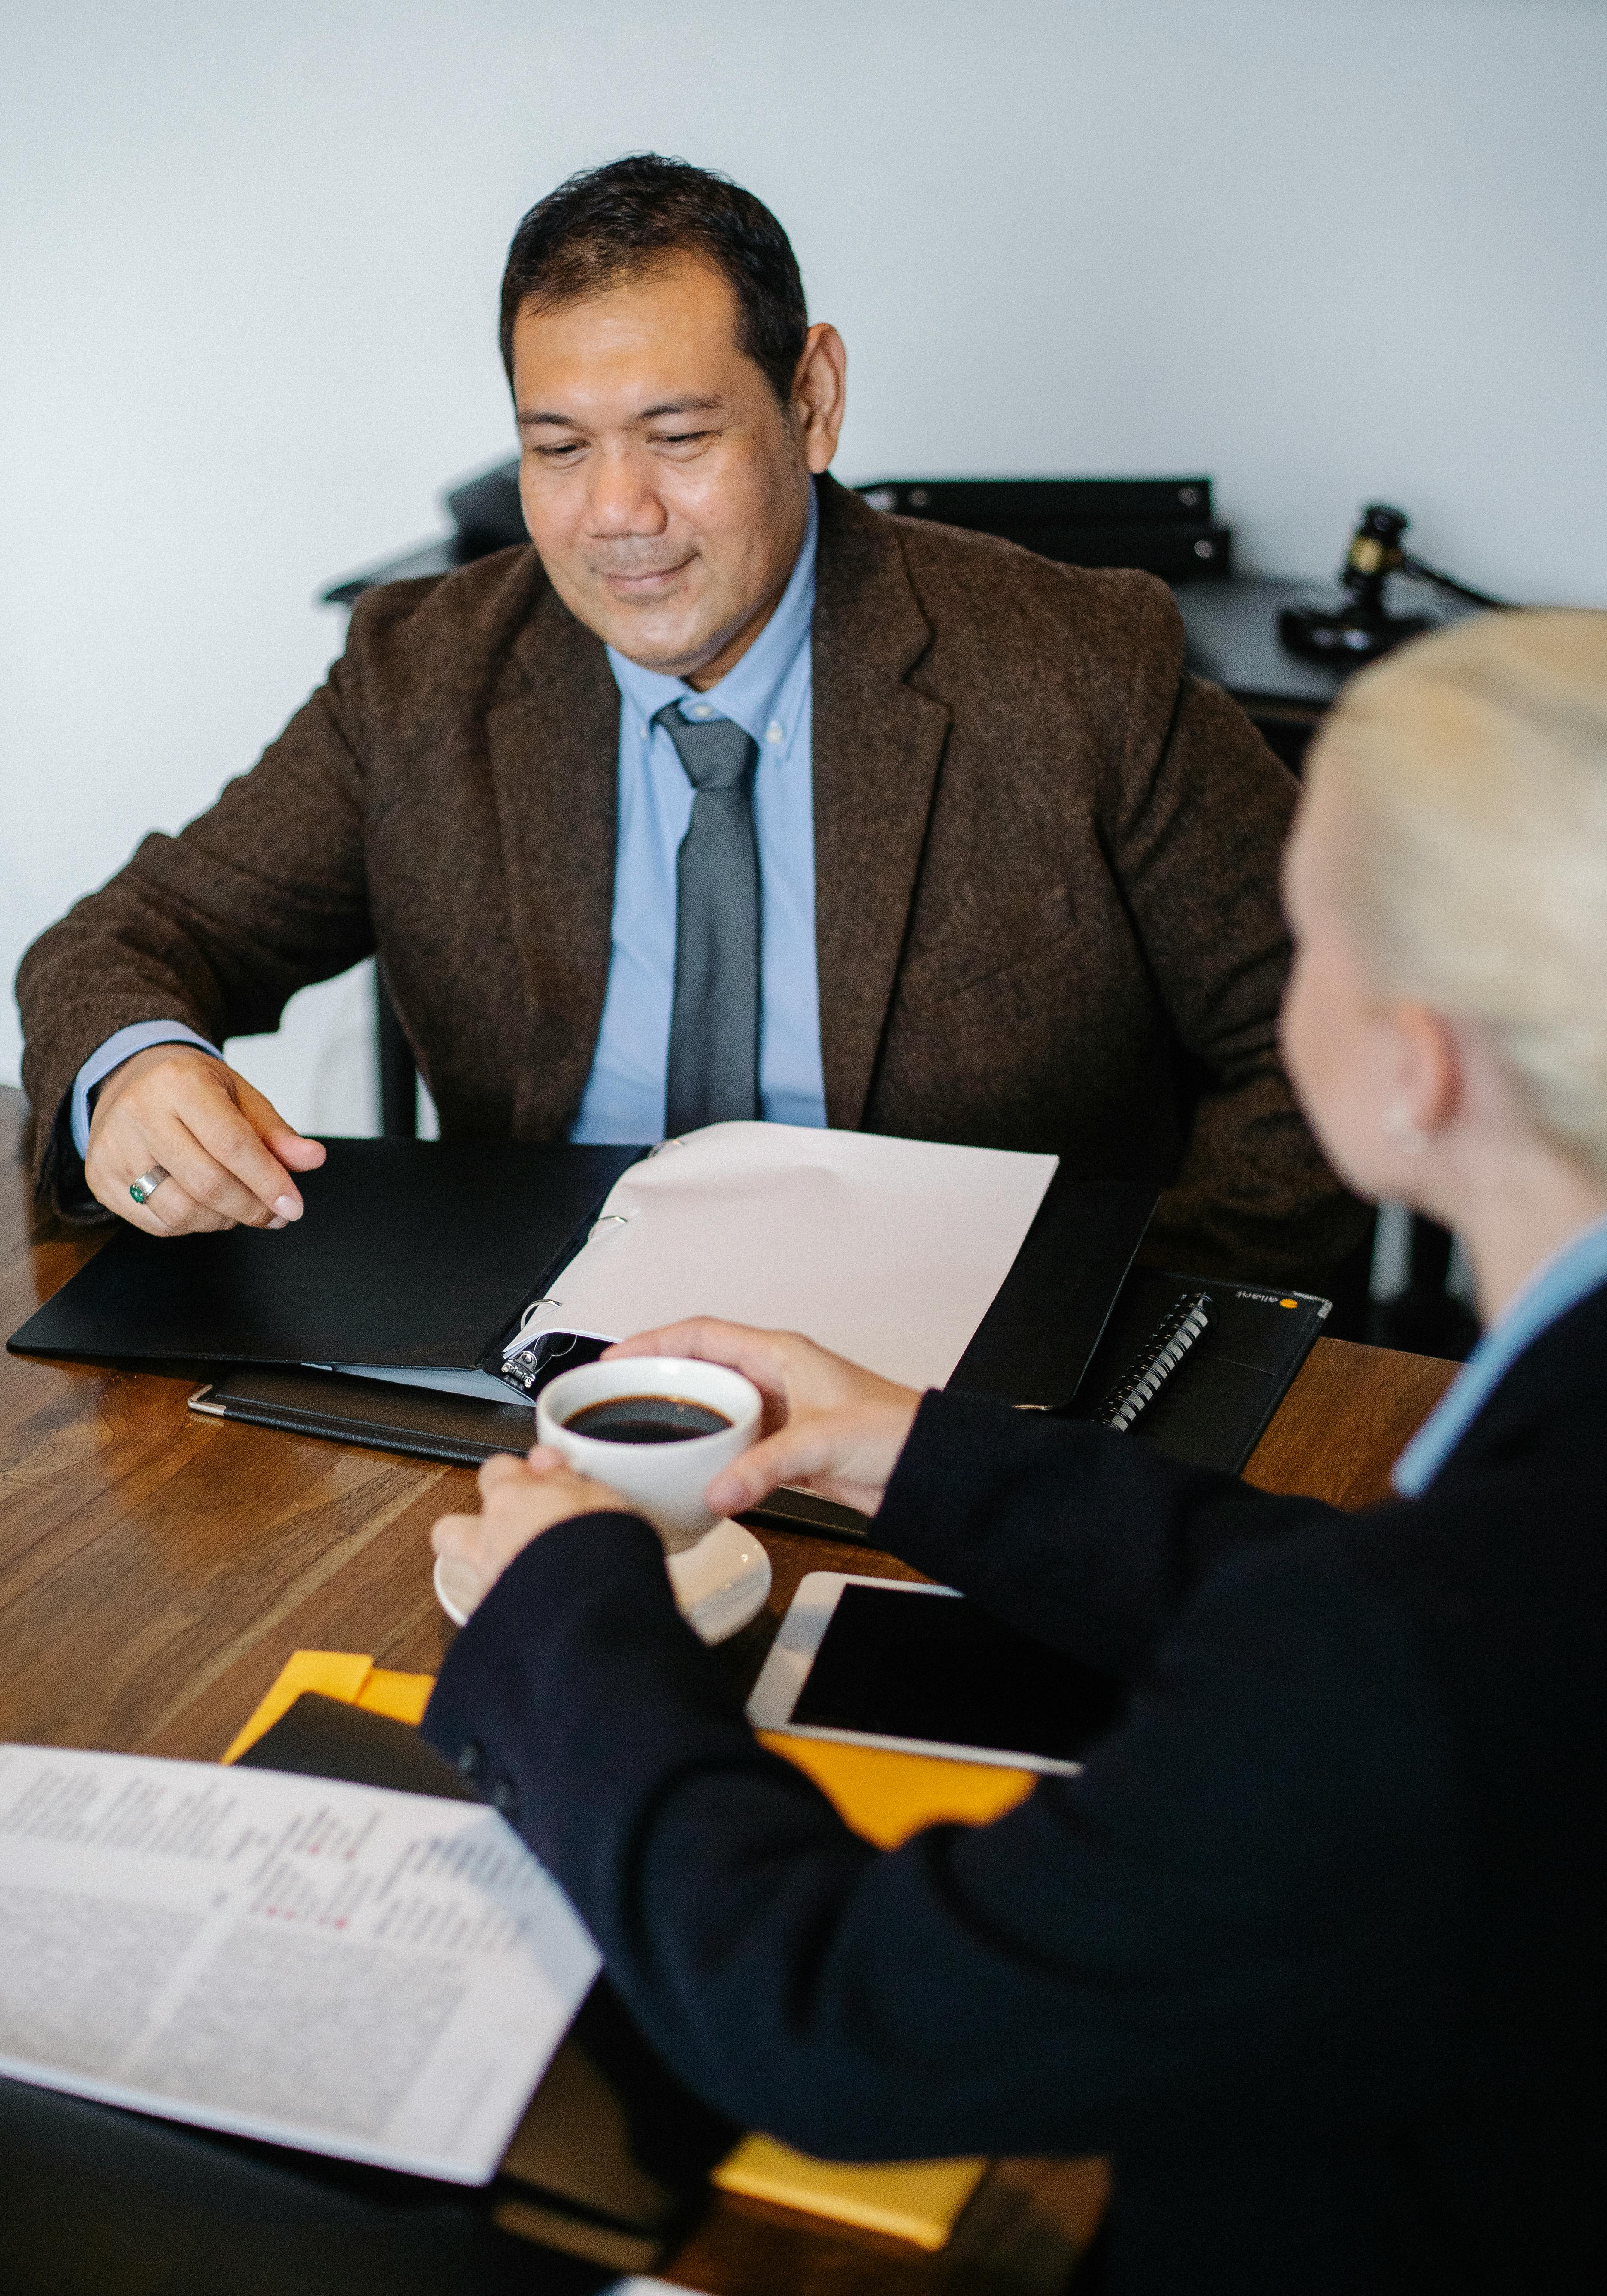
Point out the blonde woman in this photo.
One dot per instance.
(1314, 1945)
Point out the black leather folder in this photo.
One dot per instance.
(426, 1254)
(420, 1252)
(96, 2201)
(377, 1414)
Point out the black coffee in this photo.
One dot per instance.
(647, 1419)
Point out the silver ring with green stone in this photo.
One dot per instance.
(143, 1189)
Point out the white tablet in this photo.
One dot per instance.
(919, 1669)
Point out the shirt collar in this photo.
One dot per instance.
(759, 690)
(1556, 1285)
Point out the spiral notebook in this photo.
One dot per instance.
(1198, 1365)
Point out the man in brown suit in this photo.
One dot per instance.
(962, 852)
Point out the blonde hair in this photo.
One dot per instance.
(1473, 768)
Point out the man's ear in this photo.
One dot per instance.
(820, 394)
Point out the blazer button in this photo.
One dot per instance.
(504, 1800)
(471, 1762)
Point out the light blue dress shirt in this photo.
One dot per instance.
(111, 1055)
(1556, 1285)
(768, 695)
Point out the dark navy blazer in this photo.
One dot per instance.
(1314, 1945)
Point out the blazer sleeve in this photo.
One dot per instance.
(218, 926)
(1085, 1540)
(1195, 830)
(1255, 1875)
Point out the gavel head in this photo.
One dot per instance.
(1363, 628)
(1374, 554)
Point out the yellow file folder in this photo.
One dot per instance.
(917, 2200)
(336, 1674)
(888, 1797)
(884, 1797)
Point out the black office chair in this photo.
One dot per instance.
(399, 1072)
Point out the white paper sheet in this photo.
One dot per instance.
(380, 1976)
(480, 1386)
(888, 1251)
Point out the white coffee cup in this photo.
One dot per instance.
(667, 1481)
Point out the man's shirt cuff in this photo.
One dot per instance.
(136, 1038)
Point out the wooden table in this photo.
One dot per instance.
(157, 1569)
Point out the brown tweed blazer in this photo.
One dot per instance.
(1046, 905)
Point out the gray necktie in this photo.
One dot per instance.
(714, 1020)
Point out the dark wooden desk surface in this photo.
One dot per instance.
(157, 1569)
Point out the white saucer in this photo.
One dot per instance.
(719, 1583)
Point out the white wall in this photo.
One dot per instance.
(1322, 248)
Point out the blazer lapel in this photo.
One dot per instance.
(553, 738)
(877, 745)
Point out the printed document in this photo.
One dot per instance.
(380, 1976)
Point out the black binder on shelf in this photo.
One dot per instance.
(426, 1254)
(1163, 525)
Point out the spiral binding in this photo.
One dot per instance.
(1159, 1357)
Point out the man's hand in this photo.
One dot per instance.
(829, 1426)
(520, 1498)
(228, 1153)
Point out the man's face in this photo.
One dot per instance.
(664, 486)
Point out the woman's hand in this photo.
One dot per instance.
(829, 1426)
(520, 1498)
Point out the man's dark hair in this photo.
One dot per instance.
(608, 224)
